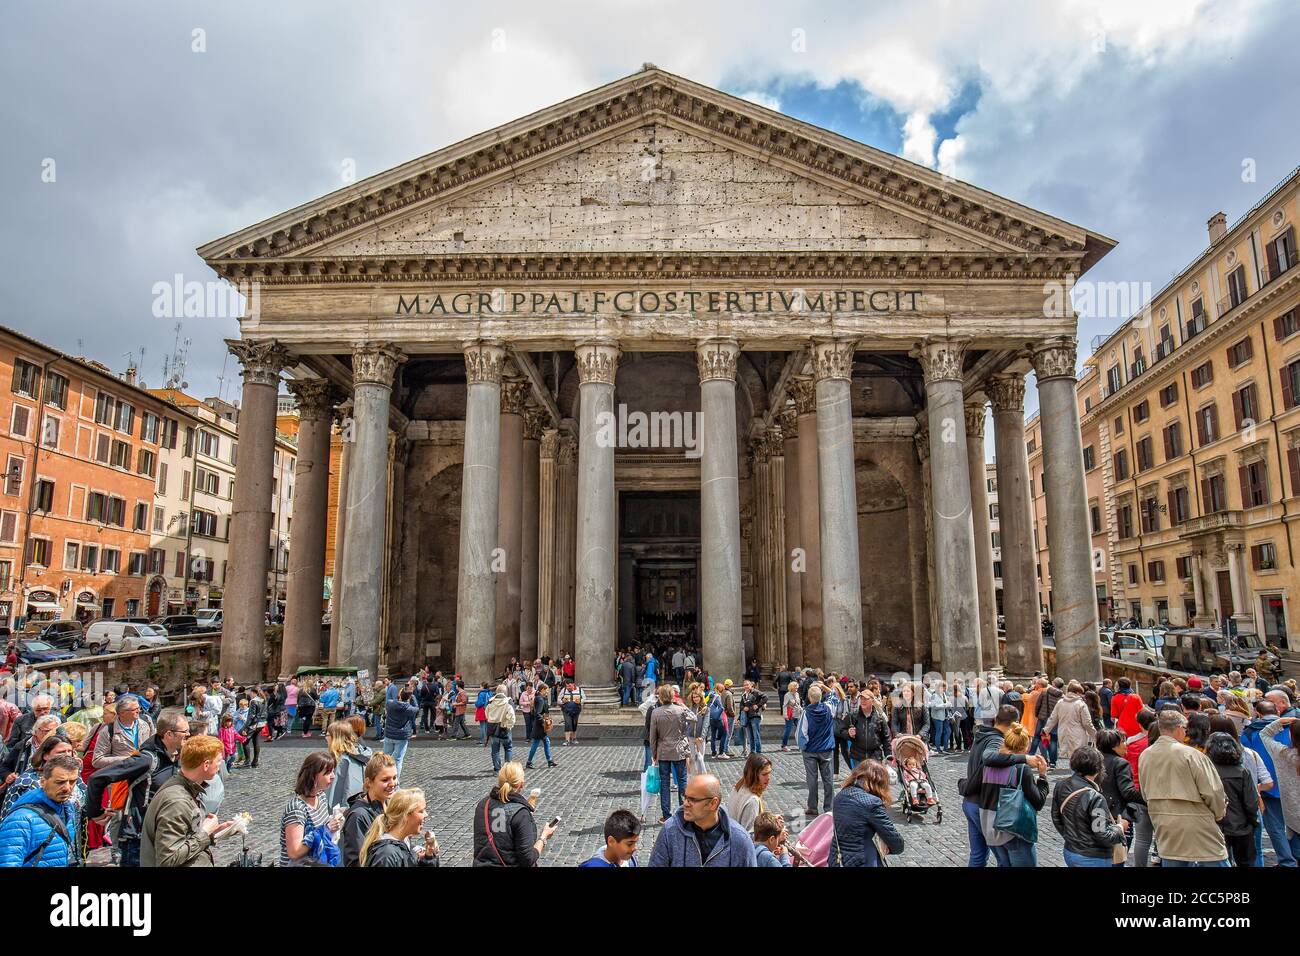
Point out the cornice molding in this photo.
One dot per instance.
(457, 270)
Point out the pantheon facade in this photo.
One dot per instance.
(657, 361)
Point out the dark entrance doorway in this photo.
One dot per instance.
(659, 553)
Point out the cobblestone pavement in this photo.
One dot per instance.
(597, 776)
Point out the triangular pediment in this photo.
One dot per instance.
(654, 163)
(653, 189)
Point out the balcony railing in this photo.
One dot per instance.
(1136, 368)
(1196, 326)
(1230, 302)
(1165, 349)
(1212, 522)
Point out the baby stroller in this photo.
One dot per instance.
(911, 746)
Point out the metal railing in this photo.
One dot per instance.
(1285, 262)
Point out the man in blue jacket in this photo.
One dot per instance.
(1266, 710)
(41, 829)
(700, 833)
(819, 731)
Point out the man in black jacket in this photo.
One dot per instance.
(144, 774)
(984, 752)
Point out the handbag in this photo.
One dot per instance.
(1015, 814)
(652, 779)
(547, 723)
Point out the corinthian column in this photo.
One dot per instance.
(528, 596)
(596, 628)
(954, 534)
(343, 417)
(1016, 527)
(510, 522)
(723, 642)
(810, 581)
(244, 633)
(1069, 540)
(761, 491)
(792, 654)
(547, 513)
(373, 366)
(837, 485)
(566, 538)
(302, 627)
(979, 495)
(776, 545)
(476, 584)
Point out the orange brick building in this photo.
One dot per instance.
(80, 449)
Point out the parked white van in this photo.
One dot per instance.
(1141, 646)
(112, 637)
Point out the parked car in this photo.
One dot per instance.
(41, 652)
(112, 637)
(1204, 651)
(132, 620)
(68, 635)
(210, 619)
(1141, 646)
(179, 625)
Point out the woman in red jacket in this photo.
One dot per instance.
(1124, 707)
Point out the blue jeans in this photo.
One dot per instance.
(790, 726)
(669, 769)
(497, 744)
(718, 737)
(397, 748)
(646, 766)
(1286, 847)
(1078, 859)
(1197, 863)
(482, 732)
(1053, 748)
(1019, 852)
(546, 748)
(626, 694)
(130, 853)
(979, 848)
(738, 730)
(940, 734)
(753, 729)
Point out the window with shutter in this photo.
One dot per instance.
(8, 527)
(103, 449)
(1293, 466)
(1290, 376)
(21, 421)
(14, 475)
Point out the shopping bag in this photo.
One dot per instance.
(647, 797)
(652, 779)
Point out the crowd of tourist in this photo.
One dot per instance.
(1198, 773)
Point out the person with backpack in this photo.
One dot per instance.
(500, 716)
(178, 830)
(41, 830)
(752, 704)
(124, 788)
(505, 833)
(571, 700)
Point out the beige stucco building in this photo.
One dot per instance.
(1190, 417)
(657, 361)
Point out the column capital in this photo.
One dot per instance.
(1007, 392)
(804, 391)
(789, 418)
(832, 359)
(484, 362)
(717, 359)
(1055, 358)
(775, 436)
(261, 360)
(922, 438)
(535, 422)
(316, 398)
(374, 363)
(550, 447)
(513, 393)
(941, 359)
(759, 450)
(975, 416)
(568, 453)
(597, 361)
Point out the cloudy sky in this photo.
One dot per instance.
(134, 132)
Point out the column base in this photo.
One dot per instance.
(1245, 623)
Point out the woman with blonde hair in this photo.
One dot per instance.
(791, 710)
(504, 831)
(385, 843)
(1020, 850)
(350, 762)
